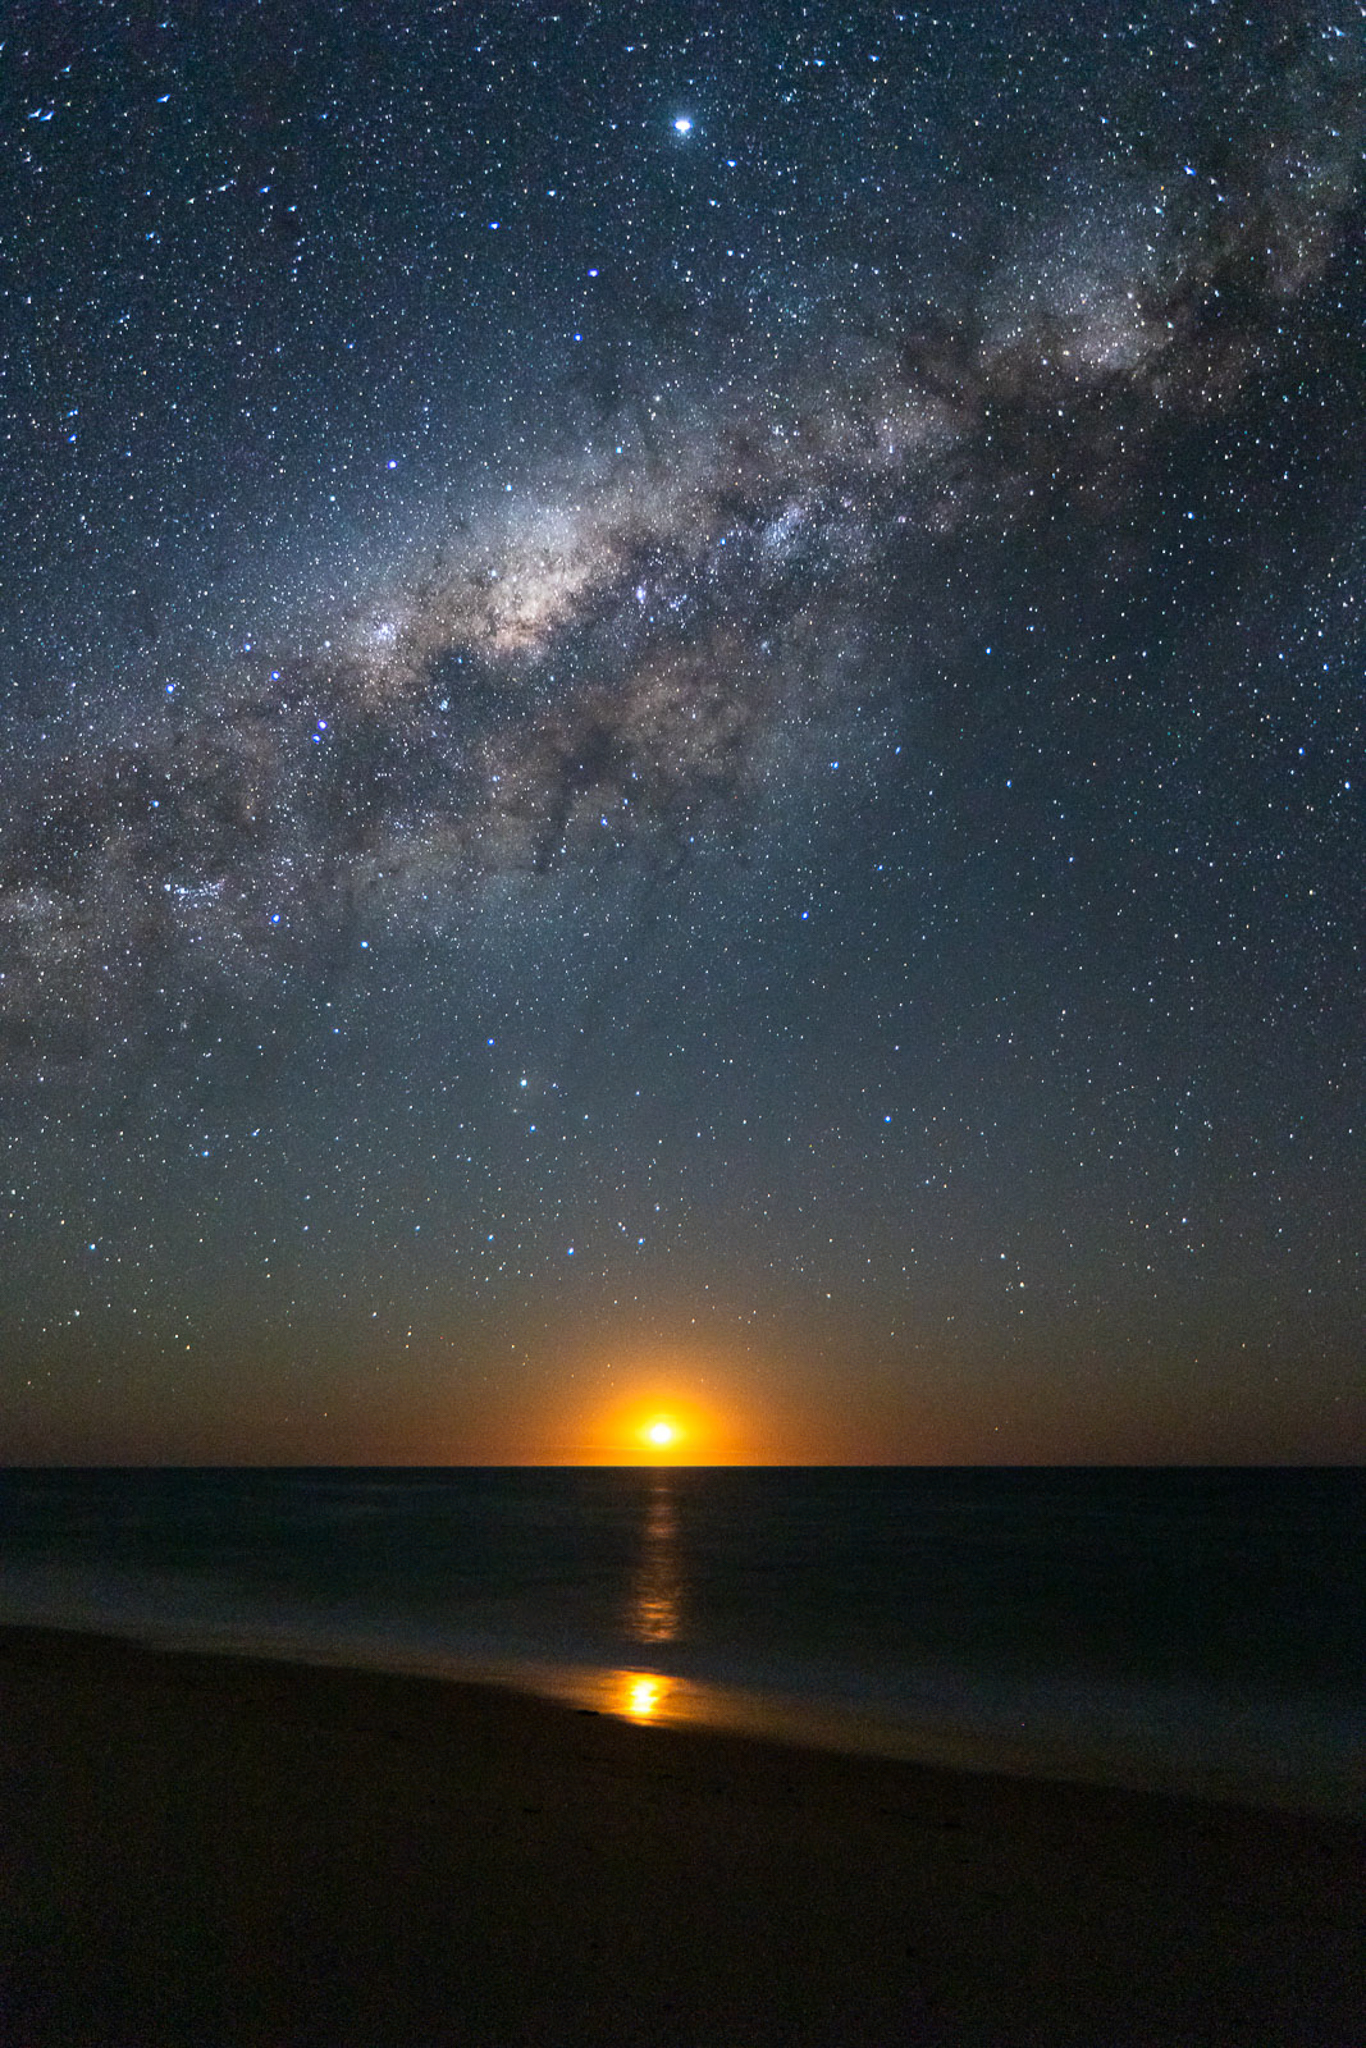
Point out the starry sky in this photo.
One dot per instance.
(681, 716)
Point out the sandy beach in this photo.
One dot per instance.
(200, 1849)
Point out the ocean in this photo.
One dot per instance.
(1190, 1630)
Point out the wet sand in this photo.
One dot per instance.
(200, 1849)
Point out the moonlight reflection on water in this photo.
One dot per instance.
(656, 1613)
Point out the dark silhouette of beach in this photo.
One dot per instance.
(210, 1849)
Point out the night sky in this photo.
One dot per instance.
(682, 721)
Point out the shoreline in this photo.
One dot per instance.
(201, 1847)
(936, 1737)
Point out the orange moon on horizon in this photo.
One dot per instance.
(660, 1421)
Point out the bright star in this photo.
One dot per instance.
(683, 126)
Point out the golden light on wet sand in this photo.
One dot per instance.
(641, 1695)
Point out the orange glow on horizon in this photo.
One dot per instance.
(652, 1405)
(659, 1425)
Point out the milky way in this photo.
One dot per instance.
(628, 656)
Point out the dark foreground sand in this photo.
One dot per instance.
(206, 1850)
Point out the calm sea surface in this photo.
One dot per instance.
(1197, 1629)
